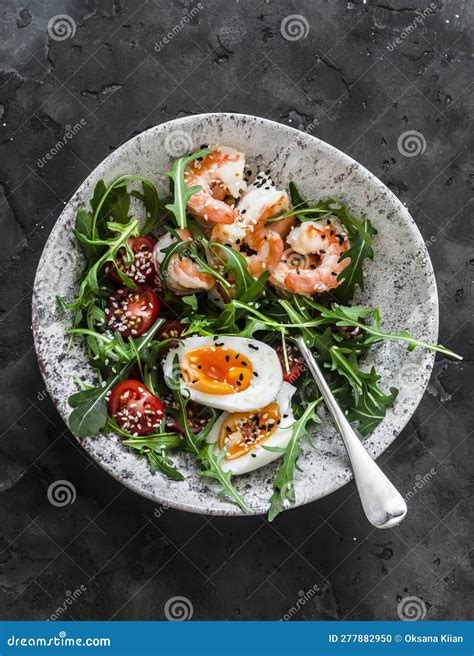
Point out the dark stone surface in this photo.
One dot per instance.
(346, 83)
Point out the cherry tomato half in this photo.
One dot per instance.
(135, 408)
(142, 270)
(131, 312)
(295, 362)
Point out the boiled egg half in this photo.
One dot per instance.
(244, 436)
(227, 373)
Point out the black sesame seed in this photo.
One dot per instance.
(333, 273)
(244, 364)
(227, 358)
(255, 374)
(241, 377)
(238, 383)
(322, 252)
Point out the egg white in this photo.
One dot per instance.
(259, 457)
(263, 388)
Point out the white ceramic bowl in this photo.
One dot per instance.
(400, 282)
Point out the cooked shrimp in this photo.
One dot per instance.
(183, 275)
(260, 202)
(268, 254)
(311, 265)
(219, 173)
(231, 234)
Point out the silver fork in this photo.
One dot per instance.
(383, 505)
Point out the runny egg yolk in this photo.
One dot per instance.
(242, 431)
(216, 370)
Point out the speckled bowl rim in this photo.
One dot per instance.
(331, 150)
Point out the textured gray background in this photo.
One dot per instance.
(345, 83)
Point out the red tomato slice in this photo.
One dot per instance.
(131, 312)
(135, 408)
(142, 270)
(295, 361)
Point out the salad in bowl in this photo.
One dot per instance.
(188, 320)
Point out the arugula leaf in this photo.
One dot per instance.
(182, 193)
(152, 204)
(114, 201)
(227, 321)
(84, 227)
(155, 442)
(283, 484)
(359, 251)
(161, 462)
(153, 446)
(191, 301)
(89, 416)
(90, 412)
(235, 263)
(89, 286)
(349, 316)
(296, 198)
(211, 459)
(368, 405)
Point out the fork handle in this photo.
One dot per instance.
(383, 505)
